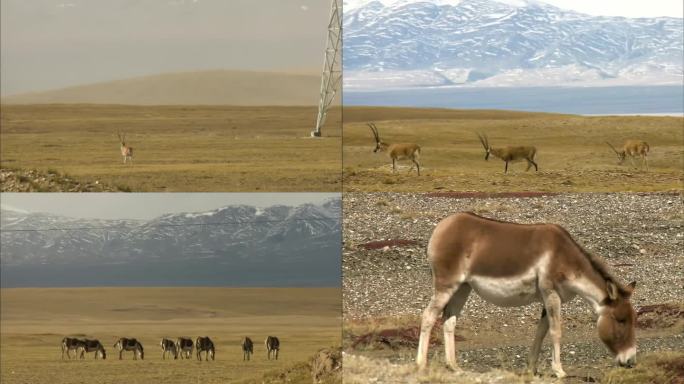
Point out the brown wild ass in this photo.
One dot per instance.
(272, 346)
(632, 148)
(124, 344)
(93, 346)
(247, 348)
(396, 151)
(510, 264)
(510, 154)
(126, 151)
(170, 347)
(184, 346)
(204, 344)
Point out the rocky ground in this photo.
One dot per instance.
(31, 180)
(387, 281)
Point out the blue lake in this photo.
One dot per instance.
(586, 101)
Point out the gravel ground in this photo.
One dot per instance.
(639, 235)
(31, 180)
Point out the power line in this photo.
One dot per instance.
(222, 223)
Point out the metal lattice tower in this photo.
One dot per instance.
(332, 66)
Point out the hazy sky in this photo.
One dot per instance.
(628, 8)
(146, 205)
(47, 44)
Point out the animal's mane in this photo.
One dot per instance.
(597, 263)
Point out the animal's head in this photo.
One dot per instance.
(616, 323)
(621, 155)
(379, 144)
(117, 344)
(122, 138)
(103, 353)
(485, 143)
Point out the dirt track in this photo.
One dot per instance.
(386, 287)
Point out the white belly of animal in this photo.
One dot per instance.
(508, 291)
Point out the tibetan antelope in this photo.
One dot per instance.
(184, 346)
(170, 347)
(510, 154)
(272, 347)
(133, 345)
(397, 151)
(632, 148)
(126, 151)
(204, 344)
(93, 346)
(247, 348)
(71, 344)
(512, 264)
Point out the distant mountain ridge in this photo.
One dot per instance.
(217, 87)
(512, 43)
(242, 245)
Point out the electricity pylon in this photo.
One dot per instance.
(332, 66)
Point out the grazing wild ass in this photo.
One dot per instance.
(168, 346)
(93, 346)
(204, 344)
(396, 151)
(184, 346)
(272, 347)
(71, 344)
(247, 348)
(510, 154)
(126, 151)
(133, 345)
(511, 264)
(632, 148)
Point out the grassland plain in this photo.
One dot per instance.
(572, 151)
(176, 148)
(35, 320)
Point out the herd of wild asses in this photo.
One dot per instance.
(182, 347)
(509, 154)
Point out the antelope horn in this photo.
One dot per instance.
(484, 141)
(374, 129)
(611, 146)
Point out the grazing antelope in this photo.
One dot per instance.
(168, 346)
(184, 346)
(510, 154)
(204, 344)
(247, 348)
(71, 344)
(633, 148)
(397, 151)
(133, 345)
(126, 151)
(93, 346)
(512, 264)
(272, 347)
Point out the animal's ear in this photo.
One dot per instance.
(630, 288)
(612, 290)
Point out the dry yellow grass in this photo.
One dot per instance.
(177, 148)
(572, 153)
(35, 320)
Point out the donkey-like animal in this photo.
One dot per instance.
(204, 344)
(247, 348)
(397, 151)
(512, 264)
(71, 344)
(632, 148)
(170, 347)
(510, 154)
(125, 344)
(184, 346)
(126, 151)
(93, 346)
(272, 347)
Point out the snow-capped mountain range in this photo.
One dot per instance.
(408, 43)
(239, 240)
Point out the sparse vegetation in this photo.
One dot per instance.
(571, 151)
(177, 148)
(655, 368)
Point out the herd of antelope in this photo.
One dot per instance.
(508, 154)
(181, 347)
